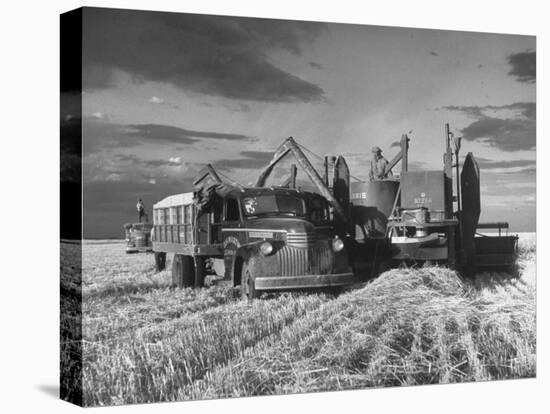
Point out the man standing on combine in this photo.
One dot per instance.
(141, 210)
(378, 166)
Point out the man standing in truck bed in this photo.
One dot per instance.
(378, 166)
(141, 210)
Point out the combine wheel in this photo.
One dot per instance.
(248, 288)
(160, 261)
(183, 271)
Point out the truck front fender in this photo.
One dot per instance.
(241, 256)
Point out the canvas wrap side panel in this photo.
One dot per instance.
(71, 206)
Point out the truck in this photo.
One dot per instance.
(138, 237)
(259, 238)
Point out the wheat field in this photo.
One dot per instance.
(145, 342)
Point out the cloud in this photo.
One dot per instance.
(101, 136)
(71, 149)
(524, 66)
(135, 160)
(249, 160)
(156, 100)
(214, 55)
(507, 127)
(484, 163)
(167, 133)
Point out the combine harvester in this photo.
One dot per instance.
(279, 237)
(426, 219)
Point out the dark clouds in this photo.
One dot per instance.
(167, 133)
(110, 204)
(214, 55)
(507, 127)
(488, 164)
(524, 66)
(172, 162)
(70, 137)
(71, 149)
(99, 135)
(249, 160)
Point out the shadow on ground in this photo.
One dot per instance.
(51, 390)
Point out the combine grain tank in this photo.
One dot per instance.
(372, 204)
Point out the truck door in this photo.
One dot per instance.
(203, 227)
(233, 236)
(216, 224)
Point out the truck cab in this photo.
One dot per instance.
(261, 239)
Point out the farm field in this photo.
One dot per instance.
(144, 341)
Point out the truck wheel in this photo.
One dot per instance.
(183, 271)
(335, 290)
(200, 270)
(248, 288)
(160, 261)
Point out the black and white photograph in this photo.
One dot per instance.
(243, 207)
(280, 206)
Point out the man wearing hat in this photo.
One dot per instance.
(141, 211)
(378, 166)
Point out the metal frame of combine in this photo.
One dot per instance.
(435, 221)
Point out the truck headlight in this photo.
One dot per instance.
(337, 244)
(266, 248)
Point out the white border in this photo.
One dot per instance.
(30, 193)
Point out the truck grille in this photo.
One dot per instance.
(140, 239)
(296, 262)
(301, 240)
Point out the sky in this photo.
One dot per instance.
(165, 93)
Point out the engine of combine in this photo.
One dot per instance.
(424, 228)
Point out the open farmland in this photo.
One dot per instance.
(146, 342)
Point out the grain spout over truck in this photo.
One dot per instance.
(279, 238)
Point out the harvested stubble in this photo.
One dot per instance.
(406, 327)
(70, 322)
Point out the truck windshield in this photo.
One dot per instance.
(277, 204)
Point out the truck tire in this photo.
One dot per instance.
(160, 261)
(200, 271)
(248, 288)
(183, 271)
